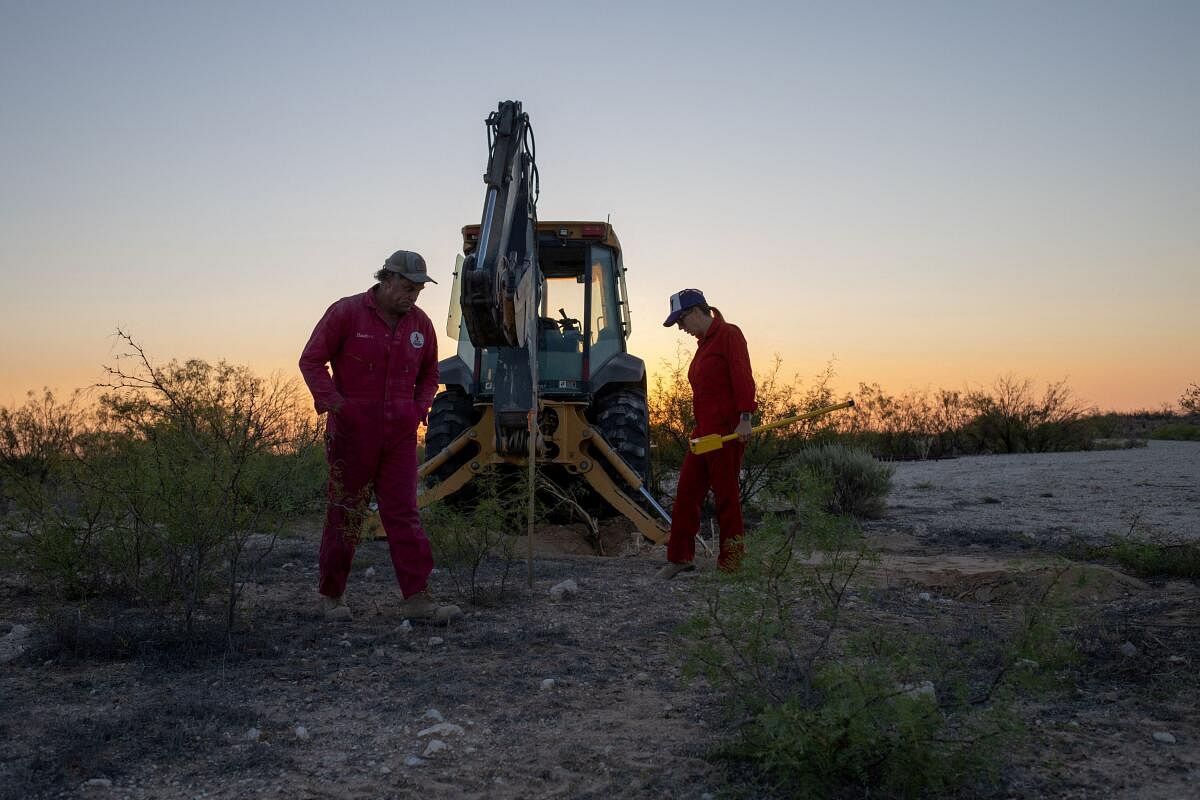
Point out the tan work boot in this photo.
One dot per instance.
(422, 606)
(670, 569)
(334, 609)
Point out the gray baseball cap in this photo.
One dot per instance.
(408, 264)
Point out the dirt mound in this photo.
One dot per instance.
(615, 537)
(986, 579)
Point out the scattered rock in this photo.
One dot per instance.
(919, 690)
(1164, 737)
(642, 677)
(253, 735)
(370, 572)
(567, 588)
(96, 784)
(548, 683)
(1027, 663)
(385, 769)
(434, 641)
(14, 644)
(1177, 659)
(442, 728)
(435, 746)
(433, 714)
(1129, 650)
(413, 761)
(925, 597)
(404, 627)
(344, 643)
(301, 732)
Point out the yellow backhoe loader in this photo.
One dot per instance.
(542, 376)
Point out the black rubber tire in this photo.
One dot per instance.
(623, 418)
(451, 414)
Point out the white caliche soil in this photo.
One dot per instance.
(1151, 492)
(582, 697)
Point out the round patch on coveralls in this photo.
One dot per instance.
(417, 339)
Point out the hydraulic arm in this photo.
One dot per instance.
(501, 284)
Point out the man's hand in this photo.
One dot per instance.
(743, 430)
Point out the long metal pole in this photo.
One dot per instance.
(532, 477)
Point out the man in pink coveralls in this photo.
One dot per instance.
(383, 351)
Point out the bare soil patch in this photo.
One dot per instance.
(583, 697)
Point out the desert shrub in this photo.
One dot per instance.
(1116, 444)
(866, 731)
(465, 537)
(913, 425)
(768, 452)
(818, 712)
(1008, 418)
(1151, 559)
(1178, 431)
(1011, 419)
(1189, 401)
(1131, 424)
(1106, 426)
(37, 435)
(854, 482)
(176, 490)
(671, 419)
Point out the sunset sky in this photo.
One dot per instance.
(929, 194)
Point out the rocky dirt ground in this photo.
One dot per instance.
(580, 695)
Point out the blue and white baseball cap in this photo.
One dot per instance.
(681, 302)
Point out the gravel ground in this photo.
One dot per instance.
(582, 696)
(1047, 498)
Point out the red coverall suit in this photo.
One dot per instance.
(722, 388)
(384, 381)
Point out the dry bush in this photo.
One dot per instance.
(1009, 417)
(39, 433)
(1012, 419)
(825, 701)
(1189, 401)
(175, 489)
(672, 422)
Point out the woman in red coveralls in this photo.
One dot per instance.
(722, 402)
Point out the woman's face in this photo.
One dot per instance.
(694, 322)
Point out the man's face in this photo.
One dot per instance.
(692, 322)
(398, 294)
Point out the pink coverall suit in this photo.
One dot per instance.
(384, 382)
(722, 388)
